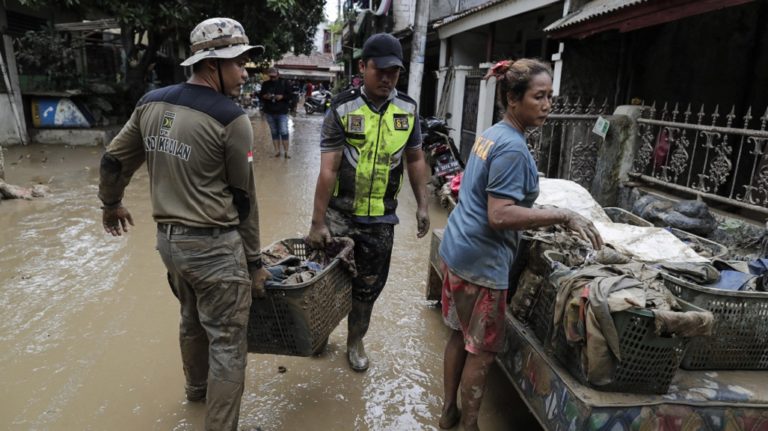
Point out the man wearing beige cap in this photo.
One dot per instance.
(197, 144)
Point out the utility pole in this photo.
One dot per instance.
(418, 48)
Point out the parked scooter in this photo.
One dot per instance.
(440, 152)
(320, 101)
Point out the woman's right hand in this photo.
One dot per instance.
(584, 228)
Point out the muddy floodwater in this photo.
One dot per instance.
(89, 327)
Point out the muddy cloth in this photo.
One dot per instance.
(570, 250)
(287, 268)
(722, 275)
(342, 248)
(372, 252)
(282, 274)
(587, 298)
(688, 324)
(700, 273)
(759, 267)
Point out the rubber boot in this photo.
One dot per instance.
(357, 326)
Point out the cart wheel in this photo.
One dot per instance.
(321, 347)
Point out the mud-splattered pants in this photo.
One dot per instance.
(209, 276)
(373, 252)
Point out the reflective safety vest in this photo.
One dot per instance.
(371, 171)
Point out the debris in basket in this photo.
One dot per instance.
(589, 296)
(690, 324)
(724, 275)
(281, 369)
(287, 268)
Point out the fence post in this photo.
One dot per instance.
(616, 155)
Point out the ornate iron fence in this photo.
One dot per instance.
(565, 147)
(720, 163)
(469, 114)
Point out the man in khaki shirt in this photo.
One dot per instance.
(197, 144)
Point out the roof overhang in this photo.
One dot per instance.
(99, 24)
(627, 15)
(304, 73)
(486, 14)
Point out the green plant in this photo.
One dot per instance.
(49, 53)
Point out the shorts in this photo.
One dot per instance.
(477, 311)
(278, 125)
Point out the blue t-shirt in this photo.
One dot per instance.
(501, 165)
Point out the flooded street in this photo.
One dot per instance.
(88, 338)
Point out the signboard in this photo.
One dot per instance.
(601, 127)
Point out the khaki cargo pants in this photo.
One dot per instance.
(209, 276)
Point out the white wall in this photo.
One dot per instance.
(404, 12)
(9, 134)
(319, 36)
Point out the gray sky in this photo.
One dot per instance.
(331, 9)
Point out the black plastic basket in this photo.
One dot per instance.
(542, 312)
(620, 215)
(648, 361)
(296, 319)
(739, 338)
(704, 247)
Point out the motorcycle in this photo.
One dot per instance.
(440, 152)
(319, 101)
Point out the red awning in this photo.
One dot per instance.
(627, 15)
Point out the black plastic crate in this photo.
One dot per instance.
(648, 361)
(296, 319)
(739, 338)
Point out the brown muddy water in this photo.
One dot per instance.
(88, 334)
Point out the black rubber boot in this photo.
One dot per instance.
(357, 325)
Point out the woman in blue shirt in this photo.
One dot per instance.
(498, 189)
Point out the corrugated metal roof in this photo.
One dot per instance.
(316, 60)
(451, 18)
(591, 10)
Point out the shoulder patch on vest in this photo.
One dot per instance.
(355, 123)
(401, 121)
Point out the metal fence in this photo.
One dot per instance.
(469, 112)
(705, 155)
(565, 147)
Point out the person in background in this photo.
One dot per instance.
(197, 144)
(275, 97)
(369, 137)
(498, 188)
(295, 94)
(357, 81)
(309, 89)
